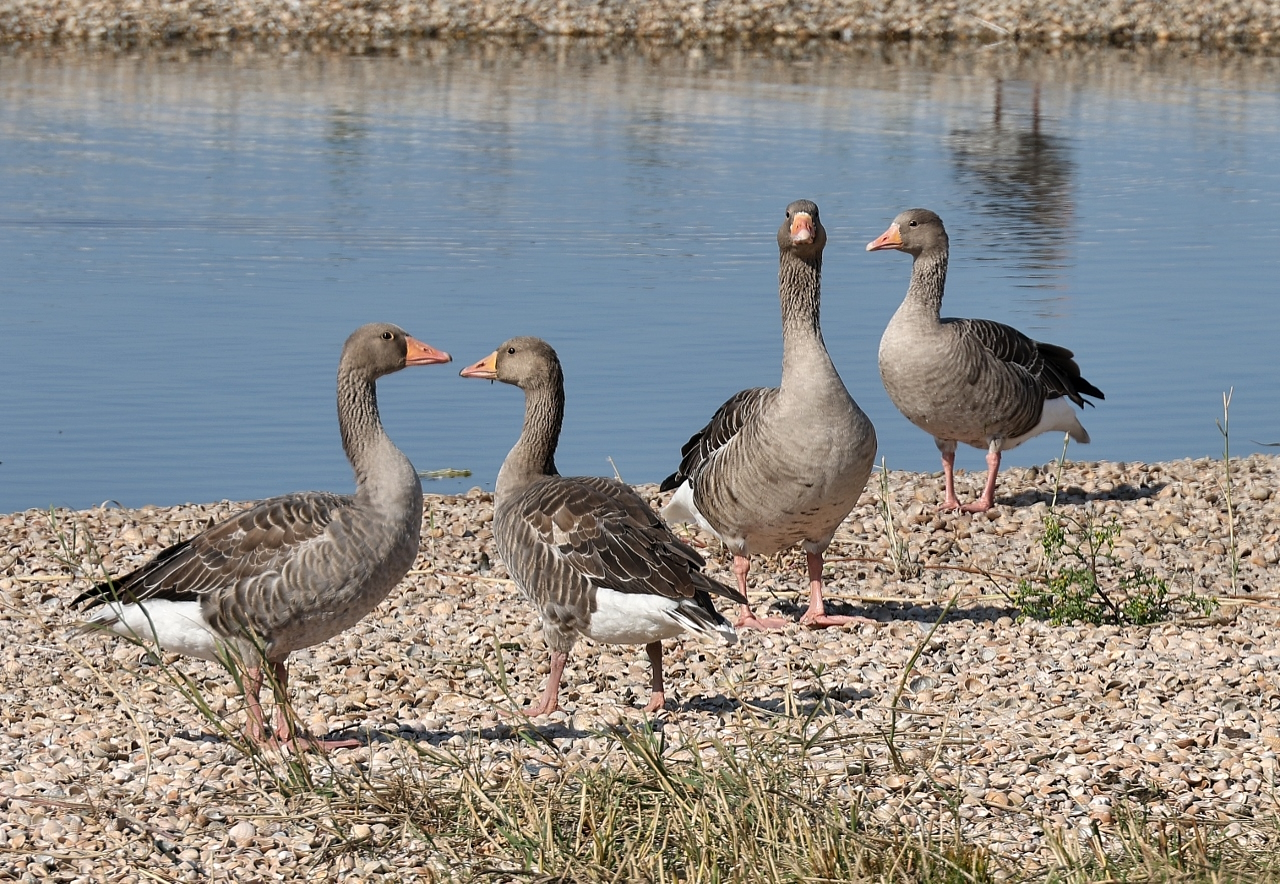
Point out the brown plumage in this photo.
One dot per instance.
(589, 553)
(779, 466)
(294, 570)
(969, 380)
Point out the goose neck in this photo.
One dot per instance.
(361, 426)
(534, 453)
(805, 362)
(928, 282)
(800, 293)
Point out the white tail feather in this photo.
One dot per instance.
(174, 626)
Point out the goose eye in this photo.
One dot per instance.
(511, 350)
(913, 223)
(386, 336)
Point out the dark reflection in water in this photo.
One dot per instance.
(185, 241)
(1022, 178)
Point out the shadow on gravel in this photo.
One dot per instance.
(893, 612)
(812, 701)
(1074, 494)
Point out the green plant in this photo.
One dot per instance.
(1083, 579)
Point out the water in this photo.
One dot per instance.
(185, 244)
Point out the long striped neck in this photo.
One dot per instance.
(928, 282)
(533, 455)
(361, 426)
(804, 354)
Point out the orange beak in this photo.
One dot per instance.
(802, 228)
(486, 369)
(424, 354)
(890, 239)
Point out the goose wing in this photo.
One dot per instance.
(260, 540)
(1052, 367)
(728, 420)
(600, 533)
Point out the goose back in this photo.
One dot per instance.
(297, 569)
(779, 466)
(969, 380)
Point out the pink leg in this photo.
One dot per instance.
(747, 619)
(988, 499)
(256, 729)
(282, 738)
(817, 617)
(949, 479)
(281, 674)
(657, 697)
(551, 696)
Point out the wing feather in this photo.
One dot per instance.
(723, 426)
(603, 532)
(1052, 367)
(259, 540)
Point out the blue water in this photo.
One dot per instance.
(185, 244)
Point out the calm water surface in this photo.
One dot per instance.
(185, 244)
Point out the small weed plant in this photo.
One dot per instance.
(1084, 580)
(905, 563)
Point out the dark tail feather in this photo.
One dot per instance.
(1085, 388)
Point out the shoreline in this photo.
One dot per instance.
(361, 24)
(1040, 729)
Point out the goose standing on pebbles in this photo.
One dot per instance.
(291, 571)
(782, 465)
(969, 380)
(587, 551)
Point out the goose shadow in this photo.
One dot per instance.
(836, 701)
(884, 613)
(1075, 495)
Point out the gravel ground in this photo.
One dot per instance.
(104, 768)
(362, 22)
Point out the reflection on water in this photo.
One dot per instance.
(1021, 176)
(186, 241)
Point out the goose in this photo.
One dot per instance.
(969, 380)
(589, 553)
(291, 571)
(782, 465)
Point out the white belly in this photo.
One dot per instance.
(173, 626)
(624, 618)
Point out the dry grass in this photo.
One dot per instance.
(754, 809)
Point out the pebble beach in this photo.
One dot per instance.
(361, 24)
(1019, 734)
(1037, 731)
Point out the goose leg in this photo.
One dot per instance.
(658, 697)
(948, 450)
(550, 701)
(280, 737)
(988, 499)
(256, 729)
(747, 619)
(817, 617)
(286, 737)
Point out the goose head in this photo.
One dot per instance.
(914, 231)
(802, 231)
(381, 348)
(527, 363)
